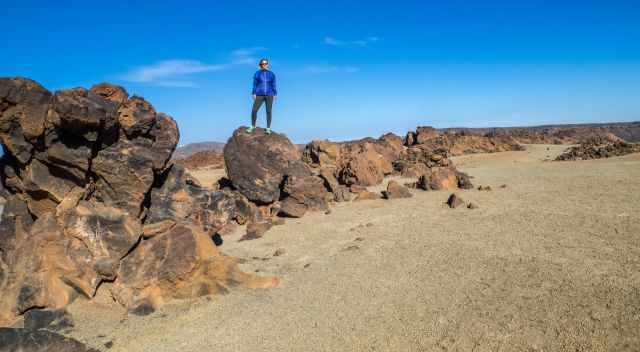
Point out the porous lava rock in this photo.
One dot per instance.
(24, 340)
(91, 196)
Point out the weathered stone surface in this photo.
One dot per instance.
(322, 153)
(308, 191)
(181, 263)
(23, 111)
(89, 195)
(439, 178)
(50, 319)
(23, 340)
(425, 133)
(396, 190)
(258, 162)
(110, 92)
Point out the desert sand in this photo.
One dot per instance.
(551, 262)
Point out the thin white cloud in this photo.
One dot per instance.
(354, 43)
(319, 69)
(176, 73)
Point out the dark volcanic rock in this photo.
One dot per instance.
(454, 201)
(23, 340)
(89, 196)
(258, 162)
(599, 147)
(50, 319)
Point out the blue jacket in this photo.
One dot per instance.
(264, 83)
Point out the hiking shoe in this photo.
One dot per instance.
(251, 129)
(268, 131)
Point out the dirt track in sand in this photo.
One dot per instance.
(549, 263)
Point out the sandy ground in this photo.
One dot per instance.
(549, 263)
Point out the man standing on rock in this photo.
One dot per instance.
(264, 90)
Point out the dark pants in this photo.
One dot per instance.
(256, 106)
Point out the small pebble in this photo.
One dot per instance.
(279, 252)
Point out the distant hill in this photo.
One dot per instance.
(192, 148)
(629, 131)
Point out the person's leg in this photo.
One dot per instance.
(269, 100)
(257, 102)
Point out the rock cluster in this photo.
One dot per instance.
(91, 196)
(203, 159)
(461, 142)
(599, 147)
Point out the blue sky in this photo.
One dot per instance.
(346, 69)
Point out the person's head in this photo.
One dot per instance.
(263, 64)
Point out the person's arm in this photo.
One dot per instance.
(275, 91)
(255, 85)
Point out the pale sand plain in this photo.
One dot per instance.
(549, 263)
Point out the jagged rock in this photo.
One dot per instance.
(340, 192)
(396, 190)
(308, 191)
(23, 340)
(258, 162)
(424, 134)
(322, 153)
(90, 196)
(454, 201)
(23, 111)
(363, 164)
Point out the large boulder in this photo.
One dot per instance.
(258, 162)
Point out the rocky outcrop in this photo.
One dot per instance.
(459, 142)
(364, 162)
(599, 147)
(91, 196)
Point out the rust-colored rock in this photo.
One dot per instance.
(181, 263)
(439, 178)
(396, 190)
